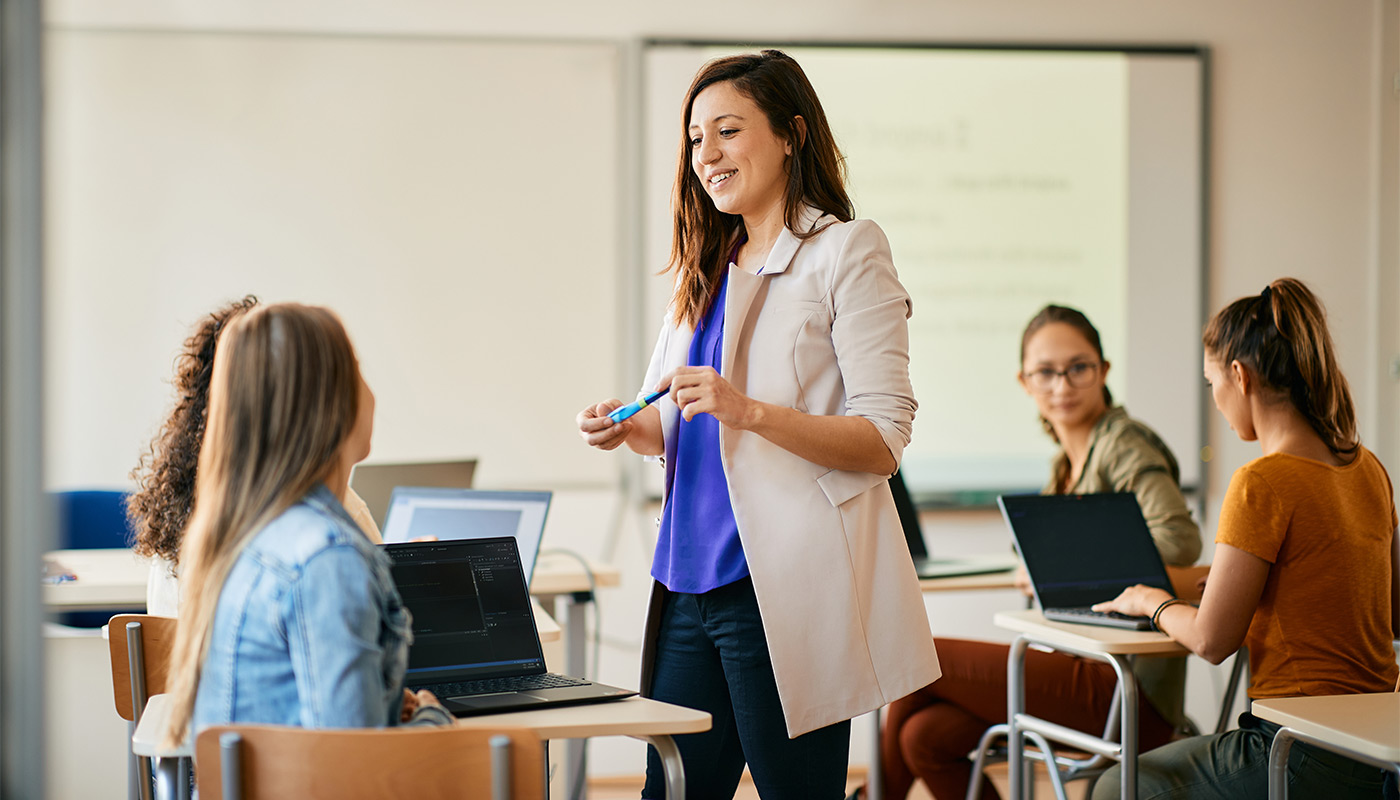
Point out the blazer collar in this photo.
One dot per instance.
(786, 247)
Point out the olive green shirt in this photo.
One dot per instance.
(1127, 456)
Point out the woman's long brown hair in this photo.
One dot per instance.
(283, 400)
(1281, 335)
(703, 235)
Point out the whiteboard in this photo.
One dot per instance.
(1005, 179)
(453, 199)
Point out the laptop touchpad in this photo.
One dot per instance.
(484, 701)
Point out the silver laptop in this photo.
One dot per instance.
(374, 483)
(418, 512)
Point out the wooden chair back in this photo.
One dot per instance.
(424, 763)
(157, 641)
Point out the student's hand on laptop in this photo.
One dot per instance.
(1023, 581)
(411, 702)
(1135, 601)
(423, 539)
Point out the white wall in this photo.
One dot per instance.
(1303, 179)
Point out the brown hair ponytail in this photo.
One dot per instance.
(1281, 334)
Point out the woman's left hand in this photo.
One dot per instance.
(1135, 601)
(702, 390)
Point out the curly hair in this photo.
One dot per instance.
(164, 476)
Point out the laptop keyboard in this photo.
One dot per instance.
(1088, 616)
(517, 683)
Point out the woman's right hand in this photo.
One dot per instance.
(598, 430)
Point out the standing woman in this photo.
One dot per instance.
(1305, 566)
(785, 601)
(290, 615)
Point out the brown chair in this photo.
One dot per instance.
(267, 762)
(140, 646)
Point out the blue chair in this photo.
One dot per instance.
(91, 520)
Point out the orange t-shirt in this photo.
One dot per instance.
(1323, 623)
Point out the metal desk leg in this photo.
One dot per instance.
(1278, 763)
(1128, 694)
(167, 778)
(1283, 745)
(671, 765)
(573, 609)
(875, 776)
(1015, 706)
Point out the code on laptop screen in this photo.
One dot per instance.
(471, 611)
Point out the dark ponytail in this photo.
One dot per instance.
(1281, 334)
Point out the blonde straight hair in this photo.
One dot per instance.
(282, 401)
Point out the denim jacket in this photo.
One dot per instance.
(309, 629)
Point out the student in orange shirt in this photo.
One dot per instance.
(1305, 567)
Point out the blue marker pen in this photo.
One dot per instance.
(619, 414)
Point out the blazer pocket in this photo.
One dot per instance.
(841, 485)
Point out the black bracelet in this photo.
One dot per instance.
(1156, 615)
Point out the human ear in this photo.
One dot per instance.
(1021, 379)
(1240, 374)
(799, 129)
(1103, 370)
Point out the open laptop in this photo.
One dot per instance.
(1081, 549)
(374, 483)
(416, 512)
(475, 645)
(926, 567)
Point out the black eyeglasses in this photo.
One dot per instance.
(1077, 375)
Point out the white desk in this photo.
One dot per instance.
(640, 718)
(1114, 645)
(1364, 727)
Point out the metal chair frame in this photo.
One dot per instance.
(1068, 768)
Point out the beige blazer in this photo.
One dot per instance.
(823, 330)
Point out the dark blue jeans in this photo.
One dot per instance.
(712, 655)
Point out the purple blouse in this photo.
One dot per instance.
(698, 548)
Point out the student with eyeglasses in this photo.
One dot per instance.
(929, 734)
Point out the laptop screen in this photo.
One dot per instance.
(416, 512)
(1083, 549)
(471, 611)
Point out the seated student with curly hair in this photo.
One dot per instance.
(160, 508)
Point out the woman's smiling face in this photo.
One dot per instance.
(739, 159)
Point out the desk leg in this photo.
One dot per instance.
(1278, 763)
(1282, 746)
(875, 776)
(167, 778)
(671, 764)
(574, 612)
(1128, 693)
(1015, 706)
